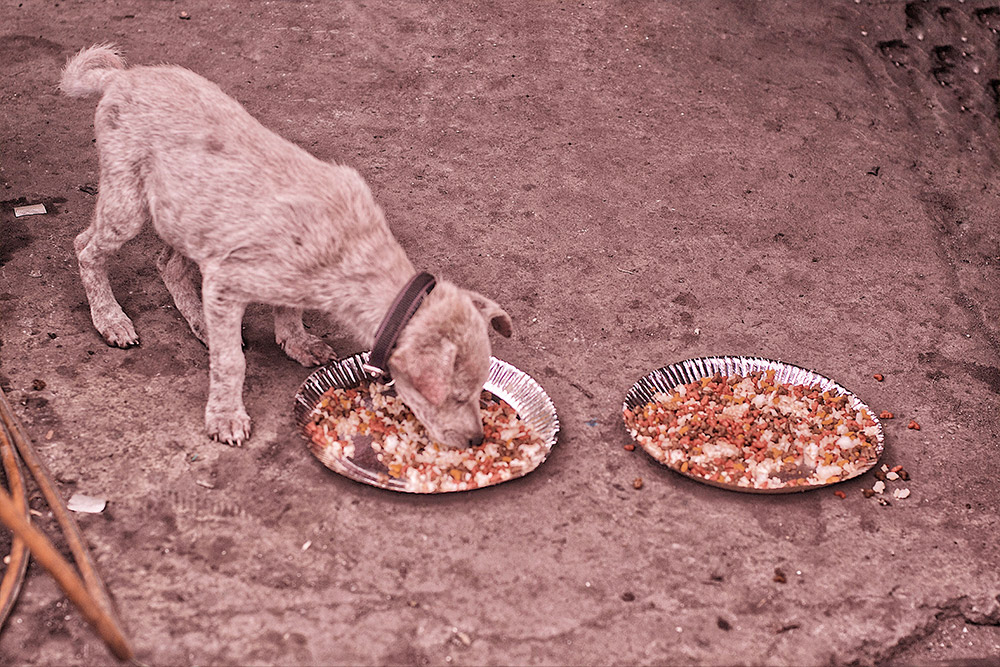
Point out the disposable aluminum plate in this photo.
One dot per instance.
(668, 378)
(515, 387)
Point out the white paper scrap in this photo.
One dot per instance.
(34, 209)
(82, 503)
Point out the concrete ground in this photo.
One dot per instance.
(637, 183)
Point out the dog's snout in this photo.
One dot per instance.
(476, 440)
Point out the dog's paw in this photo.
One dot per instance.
(200, 331)
(308, 350)
(119, 332)
(229, 428)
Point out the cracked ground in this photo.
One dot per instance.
(637, 184)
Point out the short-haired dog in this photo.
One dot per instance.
(249, 217)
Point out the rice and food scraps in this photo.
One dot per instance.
(753, 432)
(510, 447)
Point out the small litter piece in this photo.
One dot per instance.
(34, 209)
(87, 504)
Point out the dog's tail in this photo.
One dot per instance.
(90, 71)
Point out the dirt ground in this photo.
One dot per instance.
(636, 183)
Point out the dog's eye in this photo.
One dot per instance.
(465, 398)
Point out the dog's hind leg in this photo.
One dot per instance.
(299, 345)
(180, 275)
(120, 214)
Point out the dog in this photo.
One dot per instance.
(248, 217)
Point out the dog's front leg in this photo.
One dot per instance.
(225, 417)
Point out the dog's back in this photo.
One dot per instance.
(218, 184)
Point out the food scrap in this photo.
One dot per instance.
(753, 431)
(878, 377)
(510, 446)
(886, 474)
(914, 425)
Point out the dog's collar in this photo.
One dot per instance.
(400, 312)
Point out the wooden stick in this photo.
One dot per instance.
(74, 538)
(107, 625)
(13, 578)
(63, 573)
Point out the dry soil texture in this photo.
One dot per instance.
(637, 183)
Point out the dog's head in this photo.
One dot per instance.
(442, 361)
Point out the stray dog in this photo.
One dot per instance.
(263, 221)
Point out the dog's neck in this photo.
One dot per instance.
(364, 308)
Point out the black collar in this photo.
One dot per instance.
(400, 312)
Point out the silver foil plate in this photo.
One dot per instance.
(506, 382)
(668, 378)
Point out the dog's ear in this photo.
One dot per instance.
(428, 369)
(492, 313)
